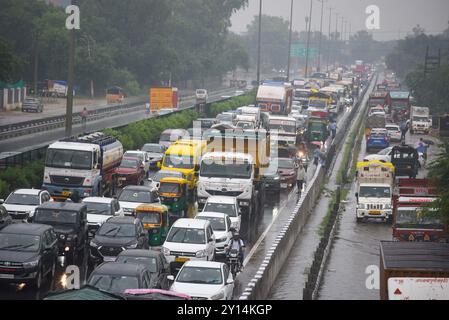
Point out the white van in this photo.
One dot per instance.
(170, 136)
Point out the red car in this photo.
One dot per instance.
(130, 172)
(287, 171)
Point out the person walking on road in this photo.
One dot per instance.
(404, 128)
(84, 115)
(422, 148)
(316, 155)
(300, 177)
(333, 128)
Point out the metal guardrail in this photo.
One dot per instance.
(260, 285)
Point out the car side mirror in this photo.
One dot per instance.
(230, 281)
(151, 180)
(2, 201)
(171, 277)
(211, 240)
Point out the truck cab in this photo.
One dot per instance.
(420, 121)
(374, 190)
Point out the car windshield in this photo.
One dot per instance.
(286, 164)
(173, 188)
(128, 163)
(165, 174)
(177, 161)
(23, 199)
(19, 242)
(149, 217)
(186, 235)
(149, 262)
(137, 155)
(199, 275)
(55, 216)
(136, 196)
(395, 129)
(374, 192)
(69, 159)
(98, 208)
(228, 169)
(113, 230)
(113, 283)
(416, 218)
(245, 125)
(153, 148)
(218, 224)
(228, 209)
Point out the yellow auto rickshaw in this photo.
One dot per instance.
(155, 220)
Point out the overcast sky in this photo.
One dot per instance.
(397, 17)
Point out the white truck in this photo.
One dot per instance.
(420, 121)
(85, 165)
(233, 166)
(375, 182)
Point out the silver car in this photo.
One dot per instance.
(32, 104)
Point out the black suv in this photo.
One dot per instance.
(116, 235)
(70, 223)
(116, 277)
(28, 253)
(5, 218)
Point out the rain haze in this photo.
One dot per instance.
(397, 18)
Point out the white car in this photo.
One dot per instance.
(100, 209)
(142, 156)
(385, 156)
(227, 205)
(204, 280)
(133, 196)
(21, 204)
(394, 132)
(201, 95)
(221, 225)
(189, 239)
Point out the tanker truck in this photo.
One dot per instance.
(83, 165)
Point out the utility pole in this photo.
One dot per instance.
(259, 42)
(308, 39)
(290, 42)
(321, 36)
(341, 30)
(335, 39)
(70, 83)
(329, 40)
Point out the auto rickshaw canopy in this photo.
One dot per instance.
(160, 208)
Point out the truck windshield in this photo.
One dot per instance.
(284, 127)
(420, 119)
(46, 216)
(374, 192)
(69, 159)
(180, 162)
(400, 104)
(226, 169)
(375, 102)
(316, 126)
(412, 218)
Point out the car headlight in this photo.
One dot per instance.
(222, 239)
(131, 246)
(62, 236)
(175, 199)
(31, 264)
(217, 296)
(166, 251)
(276, 178)
(93, 244)
(200, 254)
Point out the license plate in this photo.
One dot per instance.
(66, 193)
(283, 185)
(181, 260)
(6, 276)
(375, 212)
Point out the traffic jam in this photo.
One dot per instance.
(171, 218)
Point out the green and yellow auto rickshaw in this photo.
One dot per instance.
(155, 220)
(174, 194)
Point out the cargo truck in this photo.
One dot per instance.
(163, 99)
(414, 270)
(375, 181)
(374, 121)
(380, 98)
(400, 105)
(84, 165)
(412, 219)
(275, 97)
(233, 165)
(420, 121)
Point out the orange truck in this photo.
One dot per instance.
(163, 98)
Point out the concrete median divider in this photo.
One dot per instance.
(260, 285)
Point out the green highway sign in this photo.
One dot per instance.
(299, 50)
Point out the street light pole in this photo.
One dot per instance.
(308, 39)
(329, 40)
(259, 42)
(321, 36)
(70, 80)
(335, 38)
(290, 41)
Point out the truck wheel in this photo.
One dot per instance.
(389, 219)
(359, 220)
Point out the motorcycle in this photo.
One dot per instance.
(233, 262)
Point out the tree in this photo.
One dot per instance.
(9, 63)
(439, 173)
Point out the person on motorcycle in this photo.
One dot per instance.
(236, 243)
